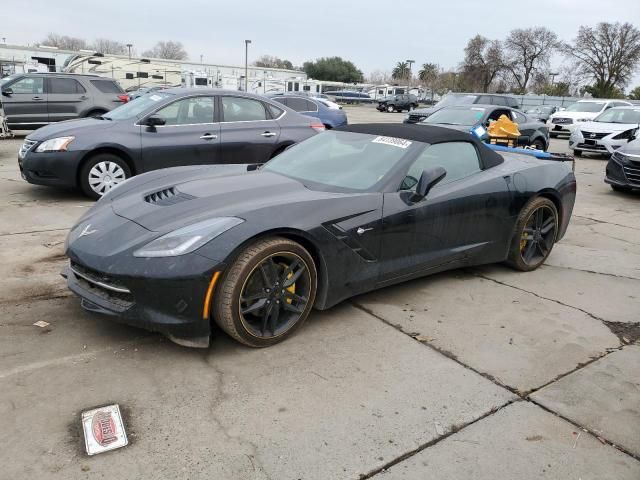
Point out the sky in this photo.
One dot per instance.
(374, 34)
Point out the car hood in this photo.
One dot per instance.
(70, 127)
(574, 115)
(172, 201)
(424, 111)
(631, 148)
(601, 127)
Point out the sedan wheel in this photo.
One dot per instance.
(536, 231)
(391, 109)
(538, 144)
(267, 293)
(101, 173)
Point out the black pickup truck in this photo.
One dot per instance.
(397, 103)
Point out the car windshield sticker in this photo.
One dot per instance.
(394, 142)
(155, 98)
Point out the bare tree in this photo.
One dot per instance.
(609, 53)
(528, 50)
(169, 50)
(269, 61)
(64, 42)
(483, 60)
(378, 77)
(104, 45)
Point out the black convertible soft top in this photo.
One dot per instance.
(427, 134)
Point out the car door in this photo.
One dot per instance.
(65, 98)
(526, 127)
(190, 135)
(464, 218)
(248, 134)
(25, 102)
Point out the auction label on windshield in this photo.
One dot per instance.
(394, 142)
(103, 429)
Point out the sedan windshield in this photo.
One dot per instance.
(342, 160)
(585, 107)
(138, 107)
(619, 115)
(456, 116)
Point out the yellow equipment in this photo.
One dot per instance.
(503, 132)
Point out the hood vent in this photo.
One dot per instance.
(167, 196)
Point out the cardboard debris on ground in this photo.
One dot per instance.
(41, 324)
(103, 429)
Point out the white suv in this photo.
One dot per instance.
(566, 121)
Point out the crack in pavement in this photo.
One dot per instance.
(33, 231)
(592, 272)
(608, 223)
(608, 235)
(455, 429)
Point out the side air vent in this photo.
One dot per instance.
(167, 196)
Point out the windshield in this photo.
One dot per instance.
(136, 108)
(456, 116)
(619, 115)
(342, 160)
(456, 100)
(585, 107)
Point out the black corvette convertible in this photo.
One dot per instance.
(347, 211)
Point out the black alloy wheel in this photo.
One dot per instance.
(536, 232)
(538, 144)
(267, 293)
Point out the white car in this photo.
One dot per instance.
(566, 121)
(607, 132)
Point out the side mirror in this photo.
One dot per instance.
(429, 178)
(7, 92)
(154, 121)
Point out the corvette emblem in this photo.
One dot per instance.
(86, 231)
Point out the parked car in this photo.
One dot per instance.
(623, 169)
(164, 129)
(343, 213)
(397, 103)
(567, 120)
(143, 91)
(607, 132)
(463, 99)
(313, 107)
(32, 100)
(532, 132)
(542, 112)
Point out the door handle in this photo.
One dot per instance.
(361, 230)
(36, 98)
(268, 134)
(208, 136)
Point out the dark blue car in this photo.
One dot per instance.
(313, 107)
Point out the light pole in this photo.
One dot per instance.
(246, 65)
(201, 58)
(129, 45)
(410, 62)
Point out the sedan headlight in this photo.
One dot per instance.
(187, 239)
(59, 144)
(583, 120)
(626, 135)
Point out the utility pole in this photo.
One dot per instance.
(410, 62)
(246, 65)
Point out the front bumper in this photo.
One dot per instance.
(56, 169)
(606, 145)
(561, 128)
(171, 306)
(623, 171)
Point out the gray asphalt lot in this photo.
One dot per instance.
(484, 373)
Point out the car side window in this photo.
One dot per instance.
(459, 159)
(518, 117)
(311, 107)
(188, 111)
(65, 86)
(298, 104)
(275, 111)
(499, 101)
(495, 115)
(29, 85)
(484, 99)
(238, 109)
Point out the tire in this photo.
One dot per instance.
(391, 108)
(577, 153)
(95, 113)
(113, 168)
(539, 144)
(259, 273)
(526, 254)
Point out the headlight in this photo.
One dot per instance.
(187, 239)
(626, 135)
(59, 144)
(583, 120)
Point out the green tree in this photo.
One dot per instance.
(609, 53)
(635, 93)
(401, 71)
(269, 61)
(332, 69)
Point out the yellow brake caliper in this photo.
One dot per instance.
(292, 288)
